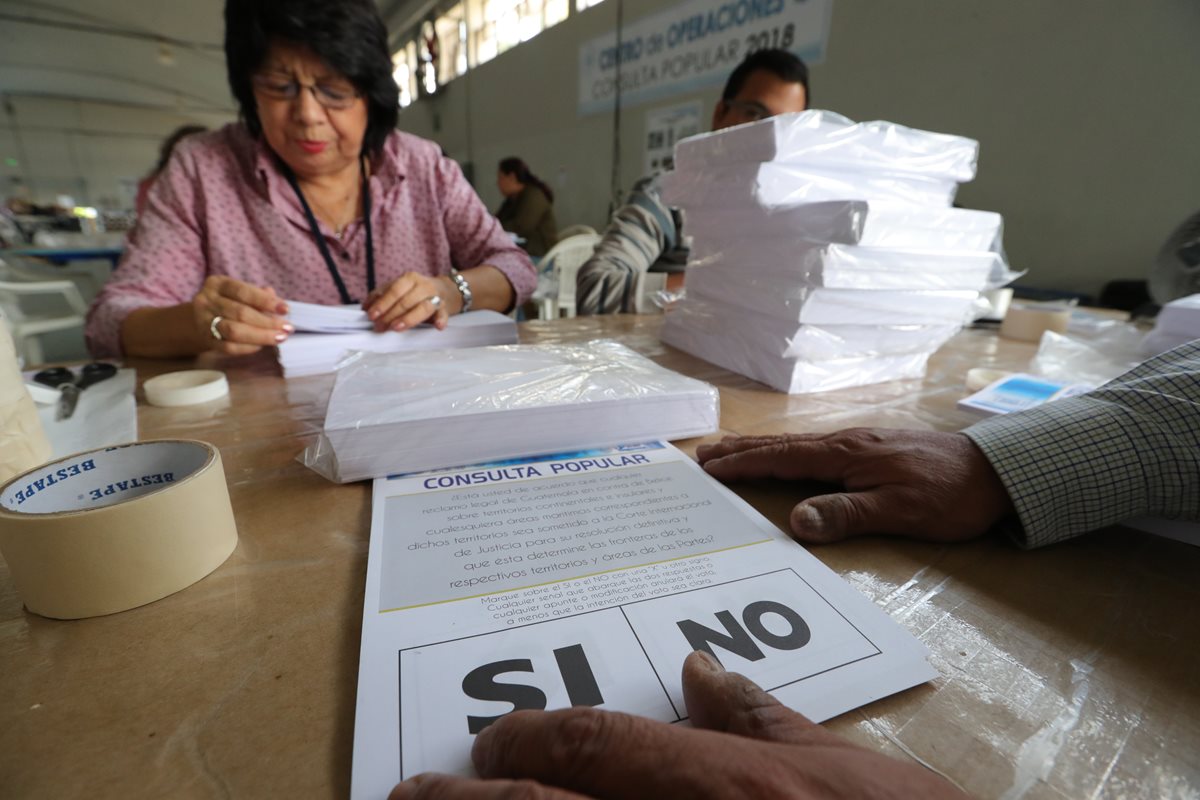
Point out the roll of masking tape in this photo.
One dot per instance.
(1028, 323)
(982, 377)
(186, 388)
(113, 529)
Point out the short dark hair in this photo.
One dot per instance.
(780, 63)
(348, 35)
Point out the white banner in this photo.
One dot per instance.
(665, 127)
(695, 44)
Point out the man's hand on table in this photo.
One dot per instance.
(745, 744)
(923, 484)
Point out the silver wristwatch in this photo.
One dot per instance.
(464, 289)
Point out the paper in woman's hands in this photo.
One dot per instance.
(316, 318)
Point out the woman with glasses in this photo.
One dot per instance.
(312, 196)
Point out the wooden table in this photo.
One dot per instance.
(1071, 671)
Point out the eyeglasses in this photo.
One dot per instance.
(335, 96)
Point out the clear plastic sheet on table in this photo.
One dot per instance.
(818, 306)
(776, 185)
(729, 348)
(842, 266)
(407, 412)
(1092, 357)
(773, 337)
(855, 222)
(827, 138)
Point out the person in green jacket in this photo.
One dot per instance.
(528, 207)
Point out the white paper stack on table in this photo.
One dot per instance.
(826, 254)
(1178, 323)
(404, 412)
(327, 334)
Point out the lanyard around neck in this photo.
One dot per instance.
(324, 248)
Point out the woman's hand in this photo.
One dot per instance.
(410, 300)
(248, 316)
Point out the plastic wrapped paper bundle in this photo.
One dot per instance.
(1177, 323)
(393, 413)
(826, 254)
(829, 139)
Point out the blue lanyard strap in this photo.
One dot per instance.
(324, 248)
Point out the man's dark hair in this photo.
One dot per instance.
(348, 35)
(780, 63)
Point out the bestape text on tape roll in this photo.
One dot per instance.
(108, 530)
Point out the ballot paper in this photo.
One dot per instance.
(873, 224)
(733, 348)
(777, 185)
(782, 338)
(402, 412)
(828, 139)
(819, 306)
(783, 260)
(317, 318)
(312, 353)
(585, 580)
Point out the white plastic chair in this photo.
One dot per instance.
(26, 328)
(562, 263)
(575, 230)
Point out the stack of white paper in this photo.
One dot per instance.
(308, 352)
(403, 412)
(831, 140)
(1177, 323)
(825, 254)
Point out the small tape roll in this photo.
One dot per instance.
(982, 377)
(113, 529)
(186, 388)
(1028, 323)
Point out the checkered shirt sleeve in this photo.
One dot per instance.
(1127, 449)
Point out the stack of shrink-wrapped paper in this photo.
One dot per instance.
(826, 254)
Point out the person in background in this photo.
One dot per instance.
(312, 196)
(646, 233)
(1127, 449)
(164, 155)
(528, 207)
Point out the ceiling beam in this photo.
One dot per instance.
(90, 73)
(125, 33)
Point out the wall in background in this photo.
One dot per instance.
(1086, 113)
(94, 152)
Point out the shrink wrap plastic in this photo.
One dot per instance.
(778, 185)
(844, 266)
(859, 222)
(775, 337)
(825, 253)
(732, 350)
(831, 140)
(393, 413)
